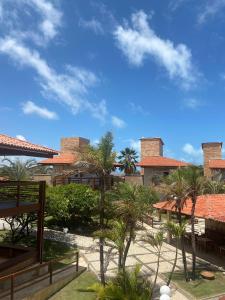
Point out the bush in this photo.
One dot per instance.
(65, 202)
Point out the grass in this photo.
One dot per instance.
(201, 288)
(52, 249)
(77, 289)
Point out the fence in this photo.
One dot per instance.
(12, 280)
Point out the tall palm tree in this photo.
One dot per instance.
(195, 181)
(176, 231)
(102, 158)
(177, 190)
(17, 169)
(128, 159)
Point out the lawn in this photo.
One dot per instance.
(76, 289)
(201, 288)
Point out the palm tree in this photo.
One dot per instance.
(176, 231)
(128, 159)
(155, 241)
(102, 158)
(132, 202)
(177, 190)
(195, 181)
(126, 285)
(17, 169)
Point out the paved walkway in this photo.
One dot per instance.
(140, 253)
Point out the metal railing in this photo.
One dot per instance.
(49, 265)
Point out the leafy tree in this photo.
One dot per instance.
(215, 186)
(17, 169)
(176, 231)
(65, 202)
(102, 158)
(128, 159)
(127, 285)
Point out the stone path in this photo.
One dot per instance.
(140, 253)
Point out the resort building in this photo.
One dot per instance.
(154, 165)
(214, 165)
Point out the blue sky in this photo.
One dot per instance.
(137, 68)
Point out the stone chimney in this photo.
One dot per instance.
(151, 147)
(211, 150)
(73, 145)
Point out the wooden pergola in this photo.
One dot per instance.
(17, 197)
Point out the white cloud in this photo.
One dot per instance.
(138, 109)
(192, 103)
(117, 122)
(136, 145)
(210, 10)
(50, 15)
(92, 24)
(70, 88)
(43, 16)
(30, 107)
(193, 154)
(175, 4)
(139, 41)
(20, 137)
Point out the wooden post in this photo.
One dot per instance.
(50, 272)
(40, 225)
(77, 265)
(18, 194)
(12, 287)
(159, 215)
(169, 237)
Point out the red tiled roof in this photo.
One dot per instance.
(207, 207)
(14, 146)
(160, 161)
(217, 163)
(63, 158)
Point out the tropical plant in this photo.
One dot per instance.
(102, 159)
(132, 202)
(65, 202)
(127, 285)
(17, 169)
(177, 231)
(177, 191)
(215, 186)
(195, 181)
(128, 159)
(156, 241)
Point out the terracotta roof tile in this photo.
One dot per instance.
(207, 207)
(63, 158)
(217, 164)
(160, 161)
(10, 144)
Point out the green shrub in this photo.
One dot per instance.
(65, 202)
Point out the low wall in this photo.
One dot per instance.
(134, 179)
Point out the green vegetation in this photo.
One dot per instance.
(201, 288)
(130, 285)
(128, 159)
(78, 288)
(71, 201)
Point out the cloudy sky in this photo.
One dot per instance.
(137, 68)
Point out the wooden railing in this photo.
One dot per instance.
(49, 265)
(93, 182)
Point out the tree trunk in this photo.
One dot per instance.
(183, 248)
(101, 221)
(174, 264)
(156, 274)
(193, 242)
(127, 247)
